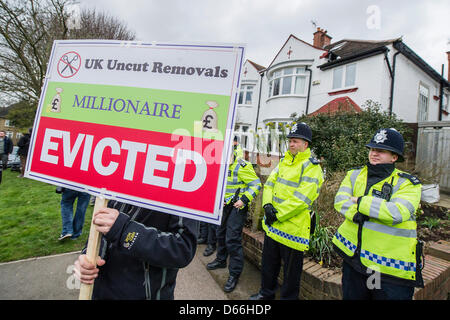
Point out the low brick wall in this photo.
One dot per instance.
(319, 283)
(436, 274)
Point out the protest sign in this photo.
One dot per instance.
(148, 123)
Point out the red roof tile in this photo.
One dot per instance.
(344, 104)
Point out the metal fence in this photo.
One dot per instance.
(433, 152)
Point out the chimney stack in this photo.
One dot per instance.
(321, 39)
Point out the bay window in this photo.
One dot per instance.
(288, 81)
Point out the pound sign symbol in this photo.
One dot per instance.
(54, 104)
(206, 121)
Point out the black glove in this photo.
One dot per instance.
(360, 218)
(270, 214)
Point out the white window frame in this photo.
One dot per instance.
(243, 93)
(445, 102)
(278, 79)
(423, 102)
(344, 77)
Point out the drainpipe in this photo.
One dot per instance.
(441, 94)
(391, 98)
(259, 102)
(309, 88)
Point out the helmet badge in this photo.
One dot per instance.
(380, 137)
(294, 128)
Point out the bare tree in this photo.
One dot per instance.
(27, 31)
(99, 25)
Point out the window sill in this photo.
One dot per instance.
(341, 91)
(286, 96)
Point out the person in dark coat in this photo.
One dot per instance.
(24, 145)
(141, 252)
(6, 147)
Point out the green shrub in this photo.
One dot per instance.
(339, 138)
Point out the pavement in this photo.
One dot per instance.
(50, 278)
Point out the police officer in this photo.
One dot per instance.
(237, 148)
(378, 239)
(242, 186)
(288, 196)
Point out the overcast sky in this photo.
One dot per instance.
(264, 25)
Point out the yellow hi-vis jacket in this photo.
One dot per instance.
(292, 188)
(238, 151)
(388, 239)
(241, 175)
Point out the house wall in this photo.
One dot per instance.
(406, 93)
(246, 114)
(369, 81)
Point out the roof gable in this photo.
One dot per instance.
(257, 66)
(341, 104)
(298, 52)
(251, 71)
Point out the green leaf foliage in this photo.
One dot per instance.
(339, 138)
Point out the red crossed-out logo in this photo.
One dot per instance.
(69, 64)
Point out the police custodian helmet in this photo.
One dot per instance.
(388, 139)
(302, 131)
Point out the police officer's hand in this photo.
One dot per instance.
(360, 218)
(104, 219)
(239, 204)
(85, 271)
(270, 214)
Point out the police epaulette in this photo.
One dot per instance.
(414, 180)
(242, 162)
(355, 168)
(314, 160)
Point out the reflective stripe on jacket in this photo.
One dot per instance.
(388, 239)
(242, 175)
(292, 187)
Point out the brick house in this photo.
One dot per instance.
(11, 132)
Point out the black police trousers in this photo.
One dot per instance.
(229, 239)
(273, 253)
(358, 286)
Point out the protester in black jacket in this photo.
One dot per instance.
(140, 253)
(24, 145)
(6, 147)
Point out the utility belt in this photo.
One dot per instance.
(233, 199)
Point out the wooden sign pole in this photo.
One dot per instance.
(92, 248)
